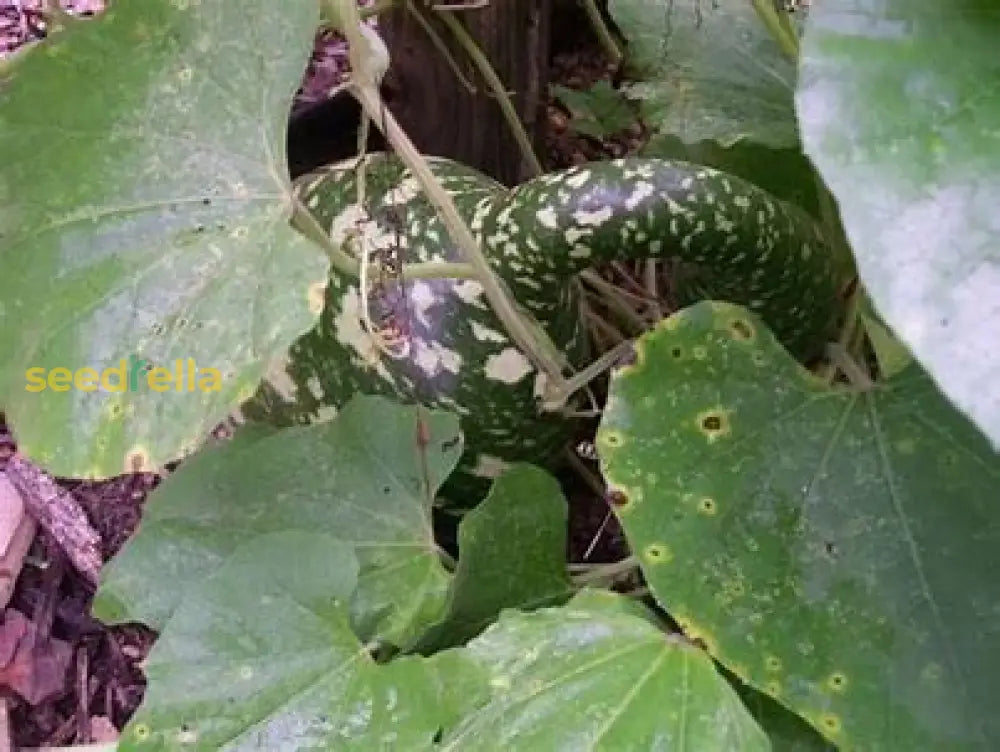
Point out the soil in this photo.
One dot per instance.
(104, 683)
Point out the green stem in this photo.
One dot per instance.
(440, 46)
(496, 86)
(789, 44)
(615, 299)
(855, 373)
(364, 88)
(304, 221)
(601, 572)
(557, 400)
(604, 37)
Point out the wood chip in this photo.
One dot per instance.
(17, 531)
(59, 514)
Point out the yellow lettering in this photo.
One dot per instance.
(159, 379)
(36, 379)
(60, 379)
(86, 380)
(192, 368)
(209, 380)
(121, 371)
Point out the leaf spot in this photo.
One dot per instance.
(707, 506)
(617, 498)
(612, 439)
(830, 723)
(137, 460)
(742, 329)
(657, 553)
(836, 682)
(714, 424)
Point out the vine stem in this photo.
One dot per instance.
(605, 571)
(604, 37)
(496, 85)
(440, 46)
(767, 13)
(365, 90)
(304, 221)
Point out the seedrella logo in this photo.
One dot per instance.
(132, 375)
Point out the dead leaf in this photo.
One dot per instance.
(32, 666)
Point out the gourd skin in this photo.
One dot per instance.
(748, 248)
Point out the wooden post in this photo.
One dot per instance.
(437, 110)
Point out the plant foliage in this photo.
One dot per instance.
(817, 540)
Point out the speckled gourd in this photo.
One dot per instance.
(746, 246)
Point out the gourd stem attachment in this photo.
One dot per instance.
(364, 89)
(497, 87)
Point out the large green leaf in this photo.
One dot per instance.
(899, 111)
(596, 674)
(709, 70)
(144, 208)
(512, 554)
(364, 478)
(262, 657)
(715, 90)
(836, 548)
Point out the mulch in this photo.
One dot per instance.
(98, 683)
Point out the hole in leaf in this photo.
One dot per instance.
(707, 506)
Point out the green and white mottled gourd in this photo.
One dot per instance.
(747, 247)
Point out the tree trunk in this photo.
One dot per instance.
(439, 112)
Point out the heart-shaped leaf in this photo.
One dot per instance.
(262, 656)
(710, 71)
(144, 223)
(365, 478)
(899, 113)
(835, 548)
(598, 674)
